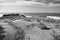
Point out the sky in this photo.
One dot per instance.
(29, 9)
(34, 0)
(36, 8)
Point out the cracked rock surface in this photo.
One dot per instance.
(22, 29)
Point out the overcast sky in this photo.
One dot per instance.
(33, 8)
(16, 0)
(29, 9)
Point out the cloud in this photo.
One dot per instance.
(47, 1)
(56, 0)
(2, 0)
